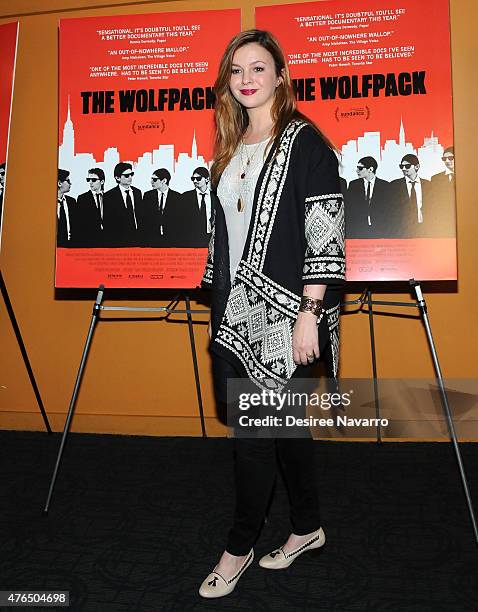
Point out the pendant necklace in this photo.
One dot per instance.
(245, 167)
(240, 205)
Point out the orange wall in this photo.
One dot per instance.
(139, 378)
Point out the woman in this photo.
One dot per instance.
(276, 265)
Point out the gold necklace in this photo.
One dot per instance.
(245, 167)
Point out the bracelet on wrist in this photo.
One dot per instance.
(308, 304)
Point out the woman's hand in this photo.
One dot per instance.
(209, 329)
(305, 339)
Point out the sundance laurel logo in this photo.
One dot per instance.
(141, 126)
(352, 113)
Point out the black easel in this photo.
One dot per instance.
(366, 299)
(23, 351)
(95, 317)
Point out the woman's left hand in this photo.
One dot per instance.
(305, 339)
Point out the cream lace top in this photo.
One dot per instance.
(231, 187)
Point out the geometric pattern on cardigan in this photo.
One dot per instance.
(332, 315)
(260, 314)
(270, 195)
(257, 327)
(324, 222)
(207, 278)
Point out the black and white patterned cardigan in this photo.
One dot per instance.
(296, 237)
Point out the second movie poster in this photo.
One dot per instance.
(375, 76)
(134, 205)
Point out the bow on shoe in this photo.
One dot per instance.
(216, 585)
(279, 559)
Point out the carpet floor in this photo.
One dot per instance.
(136, 523)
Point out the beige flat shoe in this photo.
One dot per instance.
(278, 559)
(217, 586)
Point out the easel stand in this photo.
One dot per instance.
(366, 299)
(23, 351)
(95, 317)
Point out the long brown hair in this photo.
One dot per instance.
(231, 118)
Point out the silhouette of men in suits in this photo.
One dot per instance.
(343, 186)
(65, 212)
(198, 210)
(443, 190)
(122, 210)
(162, 212)
(411, 200)
(446, 179)
(366, 203)
(90, 211)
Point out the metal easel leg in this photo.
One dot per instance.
(94, 320)
(16, 329)
(444, 400)
(195, 363)
(374, 363)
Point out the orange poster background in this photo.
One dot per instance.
(137, 52)
(410, 36)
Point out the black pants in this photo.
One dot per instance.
(255, 469)
(255, 472)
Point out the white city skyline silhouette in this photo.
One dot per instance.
(181, 167)
(389, 156)
(78, 164)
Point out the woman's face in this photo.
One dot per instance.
(253, 76)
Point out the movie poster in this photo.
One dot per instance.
(8, 52)
(376, 77)
(134, 206)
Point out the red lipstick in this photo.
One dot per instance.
(248, 92)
